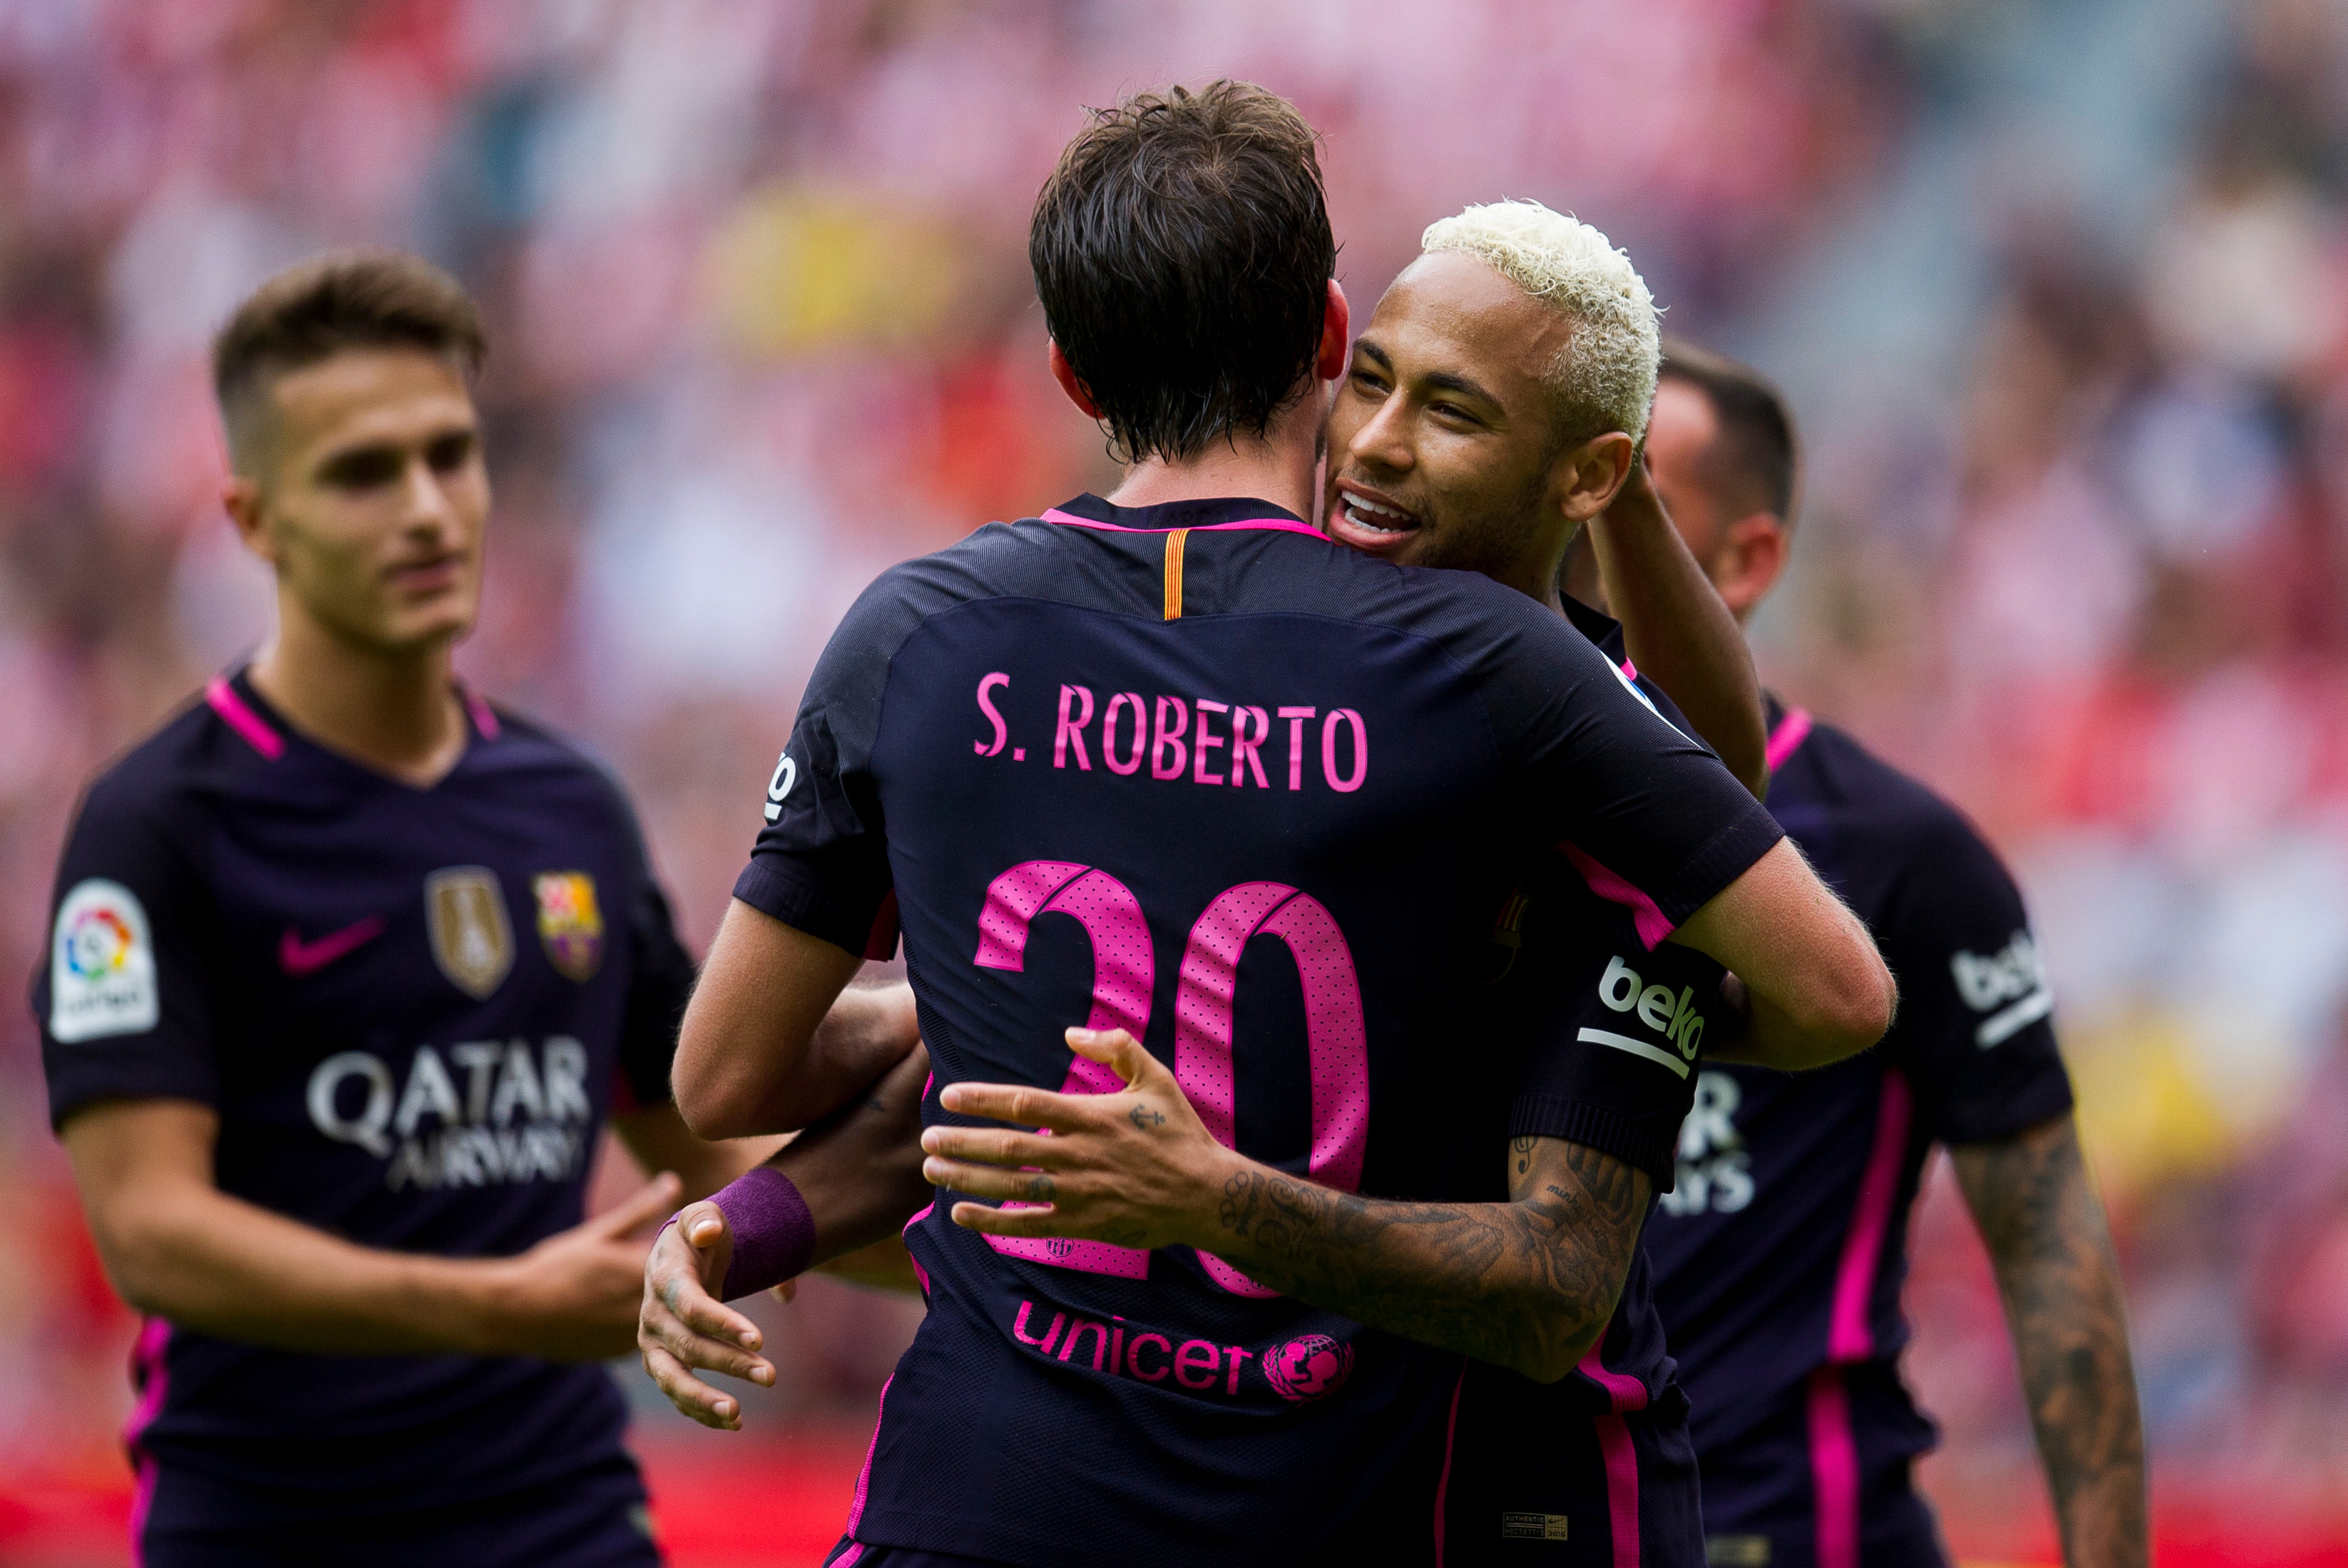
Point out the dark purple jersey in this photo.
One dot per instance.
(413, 1010)
(1779, 1255)
(1276, 791)
(1598, 1469)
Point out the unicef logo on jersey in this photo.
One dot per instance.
(519, 1116)
(1309, 1367)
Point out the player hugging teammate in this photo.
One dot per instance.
(1326, 1238)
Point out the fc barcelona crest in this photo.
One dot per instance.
(472, 942)
(570, 923)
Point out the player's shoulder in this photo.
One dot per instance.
(1487, 627)
(1885, 812)
(194, 755)
(999, 560)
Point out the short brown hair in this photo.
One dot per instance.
(1752, 466)
(365, 299)
(1182, 252)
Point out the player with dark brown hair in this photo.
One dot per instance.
(350, 970)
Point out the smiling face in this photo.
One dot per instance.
(1445, 446)
(369, 497)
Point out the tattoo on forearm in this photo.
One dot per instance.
(1515, 1282)
(2047, 1235)
(1237, 1212)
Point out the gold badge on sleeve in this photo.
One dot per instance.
(465, 909)
(569, 923)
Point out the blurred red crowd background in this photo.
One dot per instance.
(2060, 294)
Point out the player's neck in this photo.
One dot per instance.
(393, 711)
(1277, 466)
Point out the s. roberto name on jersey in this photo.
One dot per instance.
(1203, 740)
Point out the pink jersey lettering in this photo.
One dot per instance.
(1072, 730)
(987, 682)
(1173, 718)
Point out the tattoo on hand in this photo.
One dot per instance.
(1145, 1118)
(1040, 1189)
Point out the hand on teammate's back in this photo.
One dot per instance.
(1126, 1168)
(573, 1297)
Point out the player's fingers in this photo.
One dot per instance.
(690, 1394)
(994, 1222)
(1023, 1104)
(997, 1146)
(704, 1314)
(711, 1355)
(639, 1208)
(703, 1225)
(1119, 1051)
(991, 1180)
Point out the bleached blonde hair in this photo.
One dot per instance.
(1605, 374)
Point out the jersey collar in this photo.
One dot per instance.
(240, 705)
(1604, 632)
(1088, 510)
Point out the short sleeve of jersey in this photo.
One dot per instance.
(820, 865)
(122, 995)
(1974, 1031)
(1611, 1031)
(1648, 816)
(658, 988)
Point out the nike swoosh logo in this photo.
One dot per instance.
(298, 957)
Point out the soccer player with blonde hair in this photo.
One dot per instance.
(1246, 802)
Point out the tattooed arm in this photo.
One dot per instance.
(1528, 1284)
(2047, 1237)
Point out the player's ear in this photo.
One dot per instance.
(1336, 335)
(241, 499)
(1750, 559)
(1066, 375)
(1589, 476)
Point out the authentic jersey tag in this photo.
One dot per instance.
(570, 923)
(465, 909)
(1533, 1527)
(102, 965)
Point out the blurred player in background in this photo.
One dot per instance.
(1780, 1255)
(349, 972)
(1236, 1361)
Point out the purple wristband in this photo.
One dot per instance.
(774, 1235)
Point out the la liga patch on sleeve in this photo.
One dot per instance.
(101, 965)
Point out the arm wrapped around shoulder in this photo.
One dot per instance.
(773, 1234)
